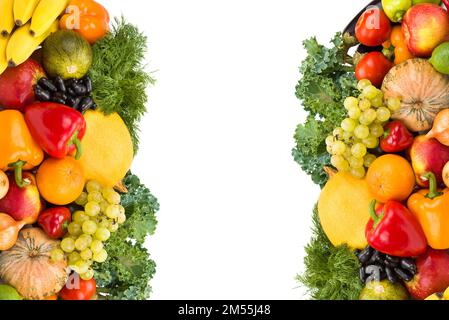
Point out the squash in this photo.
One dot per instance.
(423, 91)
(27, 266)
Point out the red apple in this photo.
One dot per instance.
(425, 27)
(432, 276)
(428, 155)
(17, 85)
(22, 204)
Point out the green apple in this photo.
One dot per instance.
(426, 1)
(9, 293)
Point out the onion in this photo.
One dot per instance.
(440, 130)
(9, 231)
(4, 184)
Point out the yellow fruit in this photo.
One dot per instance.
(3, 61)
(446, 294)
(23, 10)
(22, 44)
(47, 11)
(107, 148)
(343, 209)
(6, 17)
(433, 297)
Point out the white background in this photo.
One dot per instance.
(216, 143)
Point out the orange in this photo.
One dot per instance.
(60, 181)
(391, 177)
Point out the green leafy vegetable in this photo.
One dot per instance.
(327, 79)
(127, 272)
(119, 77)
(331, 273)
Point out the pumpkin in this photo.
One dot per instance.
(423, 91)
(27, 266)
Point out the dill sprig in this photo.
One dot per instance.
(119, 77)
(331, 273)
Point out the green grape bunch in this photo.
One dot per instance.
(361, 131)
(90, 229)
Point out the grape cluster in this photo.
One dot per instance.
(90, 229)
(361, 130)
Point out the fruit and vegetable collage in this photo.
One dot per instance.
(376, 140)
(73, 218)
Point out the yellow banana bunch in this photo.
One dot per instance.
(47, 11)
(22, 44)
(3, 60)
(23, 11)
(6, 17)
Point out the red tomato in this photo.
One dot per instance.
(85, 291)
(373, 27)
(374, 66)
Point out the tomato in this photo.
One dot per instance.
(85, 291)
(373, 27)
(88, 18)
(373, 66)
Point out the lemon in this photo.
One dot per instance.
(440, 58)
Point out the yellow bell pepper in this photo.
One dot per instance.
(431, 209)
(18, 150)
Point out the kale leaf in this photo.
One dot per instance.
(127, 272)
(327, 79)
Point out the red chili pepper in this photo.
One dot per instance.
(54, 221)
(396, 138)
(395, 231)
(57, 129)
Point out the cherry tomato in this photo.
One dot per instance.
(85, 291)
(373, 27)
(373, 66)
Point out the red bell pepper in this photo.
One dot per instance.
(395, 231)
(54, 221)
(56, 128)
(446, 4)
(396, 138)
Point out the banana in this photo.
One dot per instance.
(6, 17)
(46, 12)
(3, 60)
(23, 11)
(22, 44)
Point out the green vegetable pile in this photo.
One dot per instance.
(120, 82)
(127, 273)
(331, 273)
(119, 77)
(327, 79)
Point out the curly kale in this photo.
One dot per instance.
(127, 272)
(331, 272)
(327, 79)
